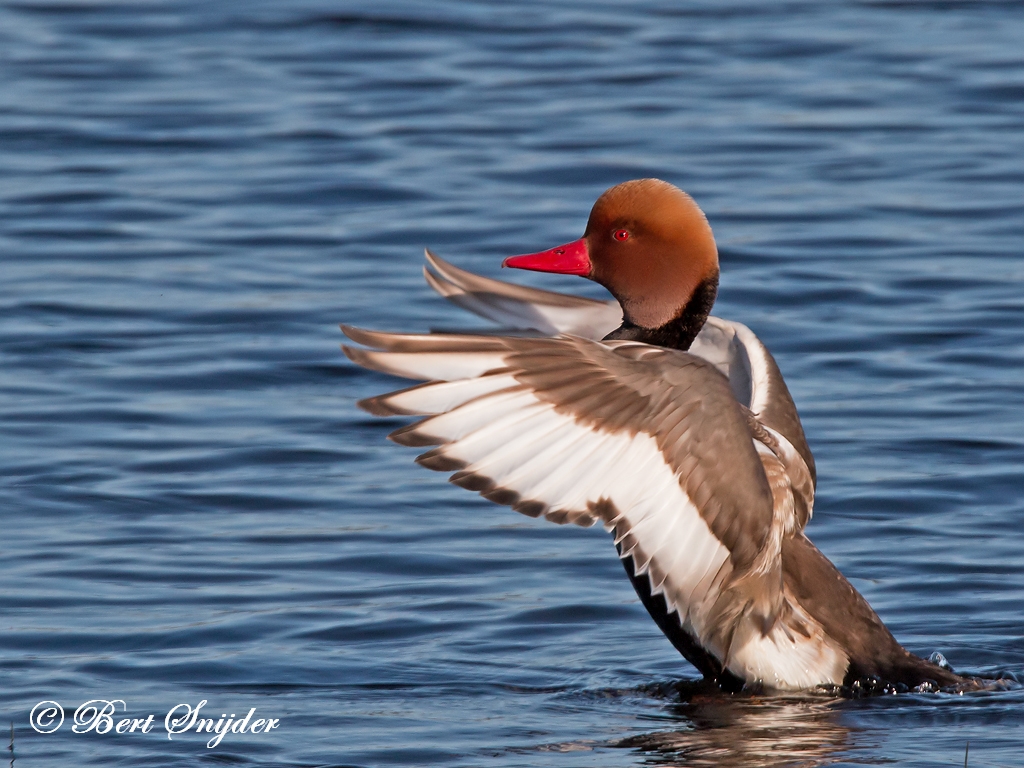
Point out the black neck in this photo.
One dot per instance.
(679, 332)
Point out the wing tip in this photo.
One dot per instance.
(412, 437)
(504, 496)
(440, 286)
(375, 360)
(438, 263)
(471, 481)
(379, 406)
(357, 355)
(530, 508)
(439, 462)
(359, 335)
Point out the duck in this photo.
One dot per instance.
(670, 427)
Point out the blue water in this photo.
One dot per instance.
(193, 195)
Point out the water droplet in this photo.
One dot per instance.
(939, 660)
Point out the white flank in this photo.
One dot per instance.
(785, 659)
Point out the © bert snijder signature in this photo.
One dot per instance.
(101, 716)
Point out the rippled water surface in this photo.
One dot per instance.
(193, 195)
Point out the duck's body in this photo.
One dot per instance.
(673, 429)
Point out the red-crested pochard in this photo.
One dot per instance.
(671, 428)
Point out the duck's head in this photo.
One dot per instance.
(649, 244)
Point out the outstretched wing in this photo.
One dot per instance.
(650, 442)
(731, 347)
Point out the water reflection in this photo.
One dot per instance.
(718, 729)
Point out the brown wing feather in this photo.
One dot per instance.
(679, 399)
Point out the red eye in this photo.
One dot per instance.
(622, 235)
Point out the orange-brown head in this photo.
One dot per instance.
(649, 244)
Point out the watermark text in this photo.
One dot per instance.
(106, 716)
